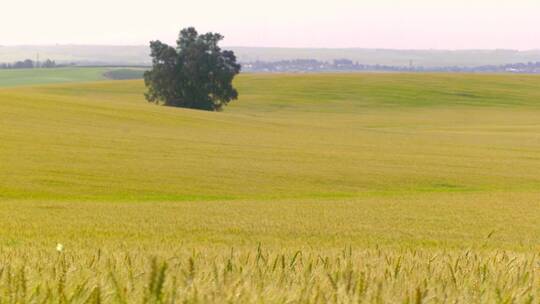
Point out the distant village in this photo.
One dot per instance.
(346, 65)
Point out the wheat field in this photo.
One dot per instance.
(334, 188)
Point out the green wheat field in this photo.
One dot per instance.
(317, 188)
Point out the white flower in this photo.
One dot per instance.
(59, 247)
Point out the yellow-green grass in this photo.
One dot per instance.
(310, 188)
(25, 77)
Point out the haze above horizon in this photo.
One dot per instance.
(390, 24)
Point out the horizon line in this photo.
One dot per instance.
(284, 47)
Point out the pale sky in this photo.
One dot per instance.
(403, 24)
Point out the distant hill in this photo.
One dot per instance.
(79, 54)
(426, 58)
(138, 55)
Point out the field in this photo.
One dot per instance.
(376, 188)
(26, 77)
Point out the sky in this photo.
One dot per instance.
(397, 24)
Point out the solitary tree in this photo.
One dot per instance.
(197, 74)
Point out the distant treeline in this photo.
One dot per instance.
(346, 65)
(29, 64)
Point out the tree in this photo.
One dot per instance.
(48, 64)
(197, 74)
(27, 64)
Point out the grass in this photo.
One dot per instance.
(125, 74)
(310, 189)
(26, 77)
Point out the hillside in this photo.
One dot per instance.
(28, 77)
(303, 190)
(25, 77)
(288, 136)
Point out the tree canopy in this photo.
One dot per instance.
(196, 74)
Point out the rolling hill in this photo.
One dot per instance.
(28, 77)
(305, 188)
(311, 136)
